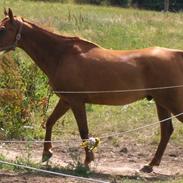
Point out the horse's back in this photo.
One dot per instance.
(99, 69)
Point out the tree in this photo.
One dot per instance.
(166, 5)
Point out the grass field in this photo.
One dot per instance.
(114, 28)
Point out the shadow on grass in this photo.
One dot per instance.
(81, 171)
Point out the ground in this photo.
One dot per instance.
(112, 163)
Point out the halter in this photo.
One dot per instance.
(18, 37)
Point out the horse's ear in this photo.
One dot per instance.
(10, 14)
(5, 12)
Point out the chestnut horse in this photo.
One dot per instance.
(74, 64)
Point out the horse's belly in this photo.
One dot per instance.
(115, 98)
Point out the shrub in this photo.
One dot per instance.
(21, 95)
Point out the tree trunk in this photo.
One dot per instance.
(166, 5)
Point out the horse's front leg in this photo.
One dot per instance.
(60, 109)
(166, 131)
(81, 118)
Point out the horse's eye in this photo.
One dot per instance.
(2, 30)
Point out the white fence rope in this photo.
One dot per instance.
(53, 173)
(32, 141)
(142, 127)
(108, 91)
(77, 177)
(103, 137)
(119, 91)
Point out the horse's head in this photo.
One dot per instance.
(10, 31)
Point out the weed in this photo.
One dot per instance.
(2, 158)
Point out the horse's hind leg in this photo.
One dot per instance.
(60, 109)
(166, 131)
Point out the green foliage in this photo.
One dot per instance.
(76, 165)
(20, 98)
(2, 158)
(174, 5)
(158, 4)
(149, 4)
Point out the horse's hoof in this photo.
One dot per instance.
(46, 156)
(86, 165)
(89, 158)
(88, 161)
(147, 169)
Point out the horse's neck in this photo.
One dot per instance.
(47, 48)
(43, 47)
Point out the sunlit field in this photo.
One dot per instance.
(110, 27)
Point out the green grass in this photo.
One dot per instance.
(114, 28)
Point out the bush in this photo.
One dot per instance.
(97, 2)
(21, 96)
(149, 4)
(175, 5)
